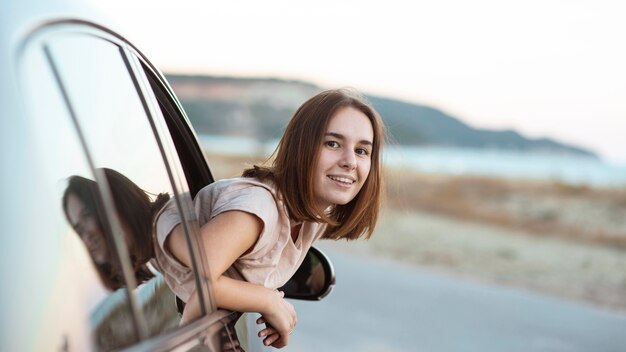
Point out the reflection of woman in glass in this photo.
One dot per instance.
(325, 182)
(83, 209)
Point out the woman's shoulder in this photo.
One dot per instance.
(237, 185)
(243, 193)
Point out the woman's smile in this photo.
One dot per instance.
(342, 181)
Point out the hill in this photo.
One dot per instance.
(261, 107)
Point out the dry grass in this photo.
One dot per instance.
(549, 264)
(543, 208)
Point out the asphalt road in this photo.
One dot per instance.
(380, 305)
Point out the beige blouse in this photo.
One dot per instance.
(272, 260)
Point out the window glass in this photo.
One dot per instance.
(112, 116)
(131, 176)
(66, 292)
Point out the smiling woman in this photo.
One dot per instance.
(316, 128)
(324, 182)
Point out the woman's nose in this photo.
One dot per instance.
(348, 160)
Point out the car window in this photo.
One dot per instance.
(75, 287)
(111, 116)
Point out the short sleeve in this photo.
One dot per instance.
(166, 220)
(250, 198)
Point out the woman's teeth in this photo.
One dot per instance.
(341, 179)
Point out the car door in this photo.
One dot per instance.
(99, 108)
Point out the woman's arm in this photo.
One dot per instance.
(225, 238)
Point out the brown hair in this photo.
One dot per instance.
(297, 154)
(134, 207)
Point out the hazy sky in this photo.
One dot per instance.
(552, 68)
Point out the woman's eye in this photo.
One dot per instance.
(362, 151)
(332, 144)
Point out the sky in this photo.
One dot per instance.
(545, 68)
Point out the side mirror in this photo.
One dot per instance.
(313, 280)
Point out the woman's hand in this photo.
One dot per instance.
(280, 320)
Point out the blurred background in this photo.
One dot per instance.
(505, 165)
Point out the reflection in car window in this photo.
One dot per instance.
(74, 289)
(83, 208)
(111, 118)
(82, 203)
(116, 127)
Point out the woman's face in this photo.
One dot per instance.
(88, 229)
(344, 158)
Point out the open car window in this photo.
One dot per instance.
(118, 151)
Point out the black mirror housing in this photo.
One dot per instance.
(314, 279)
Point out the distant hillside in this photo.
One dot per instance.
(261, 107)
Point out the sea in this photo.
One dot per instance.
(565, 168)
